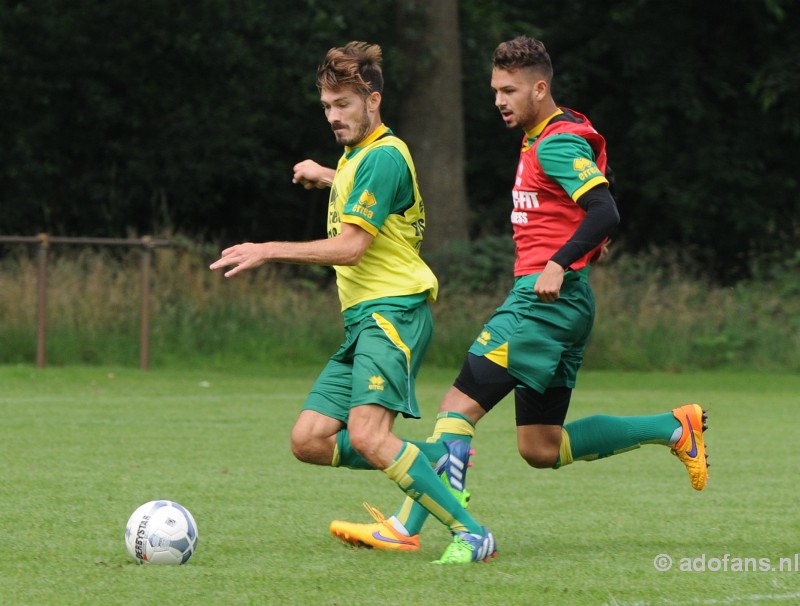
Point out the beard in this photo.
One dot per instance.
(353, 135)
(525, 118)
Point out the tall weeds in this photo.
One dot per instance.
(652, 314)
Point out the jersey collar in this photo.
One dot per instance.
(375, 135)
(537, 130)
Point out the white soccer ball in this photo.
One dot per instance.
(161, 532)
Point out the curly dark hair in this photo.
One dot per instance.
(522, 52)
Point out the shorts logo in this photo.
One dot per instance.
(365, 202)
(484, 337)
(376, 383)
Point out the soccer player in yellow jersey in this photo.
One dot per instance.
(376, 221)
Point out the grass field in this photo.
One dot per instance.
(81, 448)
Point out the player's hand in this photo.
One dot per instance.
(548, 284)
(309, 174)
(242, 256)
(601, 253)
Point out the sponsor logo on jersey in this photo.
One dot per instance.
(365, 202)
(580, 164)
(585, 168)
(524, 199)
(484, 337)
(376, 383)
(519, 218)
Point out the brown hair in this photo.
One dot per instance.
(522, 52)
(356, 65)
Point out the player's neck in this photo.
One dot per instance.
(541, 120)
(546, 110)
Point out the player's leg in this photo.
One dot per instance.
(313, 437)
(389, 351)
(449, 451)
(599, 436)
(480, 385)
(488, 383)
(320, 434)
(482, 382)
(539, 418)
(543, 442)
(370, 433)
(548, 362)
(332, 393)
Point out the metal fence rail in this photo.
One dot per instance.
(44, 241)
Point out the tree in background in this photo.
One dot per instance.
(431, 113)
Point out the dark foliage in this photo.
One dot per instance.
(168, 117)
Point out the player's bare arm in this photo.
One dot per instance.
(345, 249)
(310, 174)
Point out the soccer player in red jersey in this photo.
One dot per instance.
(534, 343)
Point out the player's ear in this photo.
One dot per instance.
(540, 89)
(374, 101)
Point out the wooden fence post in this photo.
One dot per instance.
(144, 327)
(41, 301)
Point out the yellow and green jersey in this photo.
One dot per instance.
(375, 187)
(388, 324)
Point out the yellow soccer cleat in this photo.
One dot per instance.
(690, 447)
(378, 535)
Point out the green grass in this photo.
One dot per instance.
(81, 448)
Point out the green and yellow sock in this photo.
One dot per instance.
(601, 436)
(412, 472)
(449, 426)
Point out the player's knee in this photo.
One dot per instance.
(306, 447)
(364, 442)
(301, 453)
(301, 448)
(540, 457)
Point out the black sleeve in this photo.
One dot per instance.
(600, 220)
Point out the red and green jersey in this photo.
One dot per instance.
(561, 159)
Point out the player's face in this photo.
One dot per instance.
(348, 114)
(518, 95)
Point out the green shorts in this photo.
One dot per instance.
(541, 344)
(377, 364)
